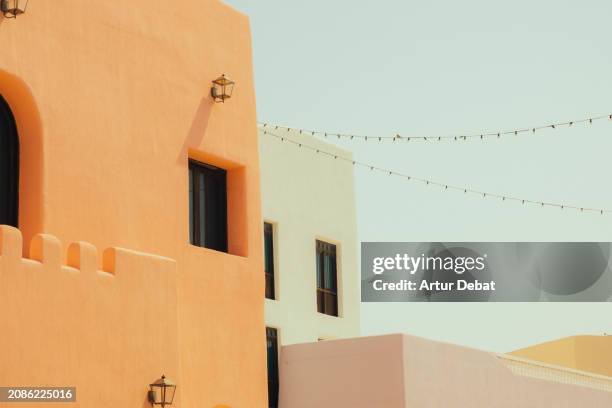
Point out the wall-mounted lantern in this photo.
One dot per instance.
(13, 8)
(162, 392)
(222, 88)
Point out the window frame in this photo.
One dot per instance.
(324, 292)
(274, 385)
(270, 276)
(216, 178)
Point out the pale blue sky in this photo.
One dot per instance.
(447, 67)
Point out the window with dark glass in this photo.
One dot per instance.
(269, 259)
(327, 280)
(9, 166)
(207, 206)
(272, 344)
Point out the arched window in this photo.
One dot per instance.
(9, 166)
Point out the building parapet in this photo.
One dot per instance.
(47, 250)
(549, 372)
(74, 324)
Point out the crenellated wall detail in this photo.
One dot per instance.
(47, 250)
(101, 330)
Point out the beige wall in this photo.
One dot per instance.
(399, 371)
(307, 197)
(586, 353)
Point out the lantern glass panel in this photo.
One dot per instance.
(156, 393)
(218, 92)
(169, 394)
(14, 7)
(229, 88)
(21, 5)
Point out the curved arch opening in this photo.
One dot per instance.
(9, 166)
(26, 171)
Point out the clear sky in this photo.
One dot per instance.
(433, 68)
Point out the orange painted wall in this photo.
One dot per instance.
(74, 325)
(110, 100)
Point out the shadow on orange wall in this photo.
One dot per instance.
(197, 129)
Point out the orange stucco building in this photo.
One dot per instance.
(111, 101)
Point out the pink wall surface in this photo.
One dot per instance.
(409, 372)
(445, 375)
(359, 373)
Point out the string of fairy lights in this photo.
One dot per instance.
(456, 137)
(282, 137)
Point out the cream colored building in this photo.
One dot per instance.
(308, 200)
(310, 245)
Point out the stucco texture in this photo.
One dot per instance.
(308, 197)
(586, 353)
(110, 101)
(400, 371)
(75, 325)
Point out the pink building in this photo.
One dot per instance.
(401, 371)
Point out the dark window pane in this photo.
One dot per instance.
(9, 166)
(273, 382)
(319, 270)
(270, 287)
(202, 206)
(208, 206)
(333, 280)
(269, 259)
(216, 208)
(190, 205)
(329, 277)
(331, 304)
(320, 302)
(268, 248)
